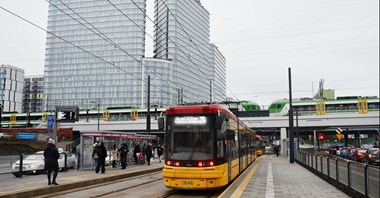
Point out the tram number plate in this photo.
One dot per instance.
(187, 183)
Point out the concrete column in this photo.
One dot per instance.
(357, 139)
(283, 136)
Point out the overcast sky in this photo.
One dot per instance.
(337, 41)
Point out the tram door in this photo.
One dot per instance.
(230, 148)
(229, 160)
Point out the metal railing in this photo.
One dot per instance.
(357, 177)
(16, 165)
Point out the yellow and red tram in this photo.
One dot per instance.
(206, 147)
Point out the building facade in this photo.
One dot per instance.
(94, 53)
(11, 88)
(33, 94)
(161, 81)
(218, 75)
(182, 35)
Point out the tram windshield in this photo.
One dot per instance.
(189, 138)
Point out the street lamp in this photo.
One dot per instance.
(297, 131)
(97, 104)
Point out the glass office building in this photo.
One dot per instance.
(161, 82)
(11, 88)
(95, 55)
(94, 51)
(218, 74)
(33, 94)
(182, 35)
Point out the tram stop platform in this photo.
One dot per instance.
(268, 176)
(271, 176)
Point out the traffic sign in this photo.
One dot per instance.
(339, 136)
(67, 113)
(50, 124)
(338, 130)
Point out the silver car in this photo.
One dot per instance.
(35, 163)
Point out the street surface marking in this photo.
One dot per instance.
(269, 192)
(245, 182)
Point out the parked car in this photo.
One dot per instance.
(333, 149)
(373, 156)
(350, 153)
(359, 154)
(31, 164)
(344, 151)
(71, 160)
(35, 163)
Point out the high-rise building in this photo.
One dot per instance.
(218, 74)
(33, 94)
(11, 87)
(94, 52)
(182, 35)
(95, 55)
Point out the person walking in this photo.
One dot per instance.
(123, 155)
(277, 149)
(135, 151)
(51, 155)
(159, 150)
(148, 152)
(102, 154)
(95, 156)
(114, 152)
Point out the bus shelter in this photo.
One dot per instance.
(88, 139)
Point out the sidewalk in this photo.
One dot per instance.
(35, 185)
(272, 176)
(268, 176)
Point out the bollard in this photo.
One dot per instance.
(21, 163)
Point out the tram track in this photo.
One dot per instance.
(113, 186)
(147, 185)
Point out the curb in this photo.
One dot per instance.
(43, 190)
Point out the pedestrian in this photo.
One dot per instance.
(143, 150)
(102, 154)
(148, 152)
(159, 152)
(277, 149)
(135, 151)
(123, 155)
(95, 156)
(114, 152)
(51, 155)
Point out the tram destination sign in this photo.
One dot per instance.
(67, 113)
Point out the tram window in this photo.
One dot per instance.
(278, 106)
(220, 149)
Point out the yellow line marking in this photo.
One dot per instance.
(237, 193)
(244, 183)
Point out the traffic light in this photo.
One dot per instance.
(321, 138)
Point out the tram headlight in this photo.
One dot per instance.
(211, 163)
(168, 163)
(177, 163)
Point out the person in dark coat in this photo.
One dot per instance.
(123, 155)
(148, 152)
(102, 154)
(51, 155)
(277, 149)
(135, 151)
(159, 152)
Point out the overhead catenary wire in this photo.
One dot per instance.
(100, 34)
(90, 53)
(65, 40)
(191, 40)
(109, 63)
(104, 37)
(179, 48)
